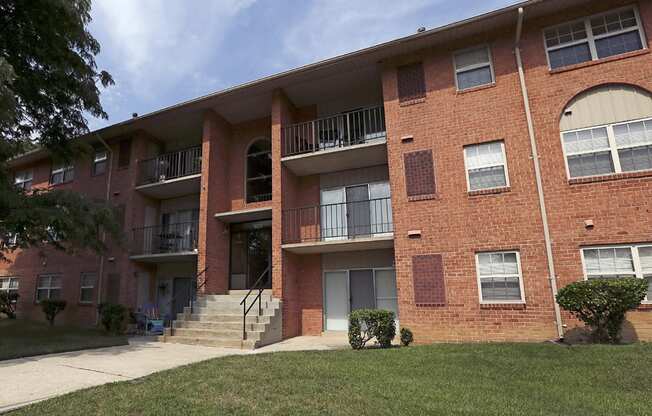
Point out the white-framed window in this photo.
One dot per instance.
(473, 68)
(49, 287)
(99, 162)
(9, 284)
(612, 148)
(87, 287)
(499, 277)
(62, 173)
(23, 179)
(613, 262)
(486, 166)
(594, 37)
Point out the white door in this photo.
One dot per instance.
(386, 297)
(337, 301)
(333, 214)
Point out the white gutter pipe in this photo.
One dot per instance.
(103, 236)
(552, 277)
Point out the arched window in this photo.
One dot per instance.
(607, 130)
(259, 171)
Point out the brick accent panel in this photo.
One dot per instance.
(428, 278)
(411, 83)
(419, 173)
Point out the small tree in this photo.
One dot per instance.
(8, 304)
(113, 317)
(602, 304)
(406, 337)
(51, 308)
(366, 324)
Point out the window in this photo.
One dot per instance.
(124, 154)
(619, 261)
(259, 171)
(87, 287)
(614, 148)
(9, 284)
(499, 277)
(594, 37)
(485, 166)
(61, 173)
(23, 179)
(473, 68)
(99, 162)
(49, 287)
(411, 82)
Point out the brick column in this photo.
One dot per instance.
(213, 250)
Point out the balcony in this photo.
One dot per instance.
(171, 174)
(344, 141)
(346, 226)
(166, 243)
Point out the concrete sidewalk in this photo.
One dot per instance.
(32, 379)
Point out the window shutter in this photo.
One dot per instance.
(428, 280)
(419, 173)
(411, 83)
(124, 157)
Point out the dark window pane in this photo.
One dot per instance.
(590, 164)
(635, 158)
(618, 44)
(259, 171)
(474, 78)
(569, 56)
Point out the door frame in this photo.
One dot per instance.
(231, 250)
(348, 288)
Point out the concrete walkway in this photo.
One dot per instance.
(32, 379)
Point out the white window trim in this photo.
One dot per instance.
(590, 38)
(22, 177)
(49, 288)
(504, 165)
(82, 287)
(613, 148)
(638, 272)
(61, 168)
(520, 279)
(490, 64)
(100, 157)
(9, 288)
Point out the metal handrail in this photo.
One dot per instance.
(168, 238)
(203, 283)
(258, 297)
(170, 165)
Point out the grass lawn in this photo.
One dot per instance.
(19, 338)
(489, 379)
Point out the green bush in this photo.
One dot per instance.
(51, 308)
(602, 303)
(113, 317)
(406, 337)
(366, 324)
(8, 304)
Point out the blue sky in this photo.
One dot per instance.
(161, 52)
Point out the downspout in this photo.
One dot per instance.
(103, 236)
(552, 277)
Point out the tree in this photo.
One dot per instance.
(49, 82)
(51, 308)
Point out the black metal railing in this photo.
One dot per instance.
(170, 166)
(198, 287)
(344, 220)
(245, 310)
(341, 130)
(169, 238)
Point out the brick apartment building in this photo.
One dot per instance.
(457, 176)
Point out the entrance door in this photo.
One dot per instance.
(333, 214)
(362, 289)
(358, 214)
(182, 290)
(336, 301)
(251, 254)
(386, 297)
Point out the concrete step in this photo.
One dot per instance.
(230, 300)
(213, 342)
(243, 292)
(251, 319)
(214, 333)
(235, 326)
(230, 310)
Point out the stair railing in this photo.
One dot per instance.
(203, 283)
(258, 297)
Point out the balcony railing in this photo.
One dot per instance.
(341, 221)
(170, 238)
(346, 129)
(170, 166)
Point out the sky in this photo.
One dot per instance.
(162, 52)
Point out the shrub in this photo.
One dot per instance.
(113, 317)
(51, 308)
(602, 303)
(8, 304)
(366, 324)
(406, 337)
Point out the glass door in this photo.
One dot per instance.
(333, 214)
(336, 302)
(251, 254)
(358, 214)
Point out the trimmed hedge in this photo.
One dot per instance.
(113, 317)
(602, 303)
(8, 304)
(366, 324)
(406, 337)
(51, 308)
